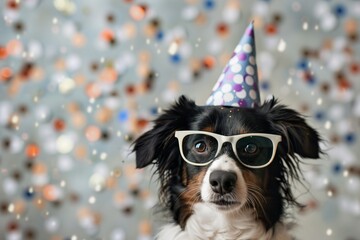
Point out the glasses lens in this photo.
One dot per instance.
(254, 150)
(199, 148)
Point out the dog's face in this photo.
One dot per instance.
(231, 158)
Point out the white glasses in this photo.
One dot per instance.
(253, 150)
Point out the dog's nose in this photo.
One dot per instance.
(222, 181)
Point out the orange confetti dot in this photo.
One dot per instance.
(195, 64)
(138, 12)
(12, 4)
(208, 62)
(5, 74)
(3, 52)
(271, 29)
(107, 35)
(79, 40)
(81, 152)
(92, 90)
(351, 26)
(78, 119)
(59, 125)
(142, 123)
(104, 115)
(201, 19)
(222, 29)
(19, 207)
(355, 68)
(14, 47)
(129, 29)
(50, 193)
(92, 133)
(39, 169)
(108, 75)
(145, 227)
(32, 150)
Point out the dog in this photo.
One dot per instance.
(225, 172)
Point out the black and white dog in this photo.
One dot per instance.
(225, 172)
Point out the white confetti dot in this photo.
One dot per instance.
(52, 224)
(327, 125)
(328, 22)
(241, 94)
(226, 88)
(10, 186)
(247, 48)
(190, 13)
(250, 70)
(215, 46)
(64, 144)
(228, 97)
(92, 200)
(249, 80)
(281, 46)
(118, 234)
(238, 78)
(236, 68)
(230, 15)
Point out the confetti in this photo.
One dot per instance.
(79, 85)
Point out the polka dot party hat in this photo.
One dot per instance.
(238, 84)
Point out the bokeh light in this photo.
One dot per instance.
(80, 80)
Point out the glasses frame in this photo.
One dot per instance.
(221, 139)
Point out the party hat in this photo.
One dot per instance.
(238, 84)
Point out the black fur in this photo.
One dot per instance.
(159, 146)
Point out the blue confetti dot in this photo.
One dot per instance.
(123, 116)
(154, 110)
(350, 138)
(319, 115)
(340, 10)
(176, 58)
(209, 4)
(159, 35)
(337, 168)
(265, 85)
(303, 64)
(29, 193)
(311, 80)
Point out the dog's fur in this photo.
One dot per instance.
(262, 194)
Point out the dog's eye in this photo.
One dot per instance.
(251, 148)
(200, 147)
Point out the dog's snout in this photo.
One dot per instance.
(222, 182)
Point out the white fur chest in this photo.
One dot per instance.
(208, 223)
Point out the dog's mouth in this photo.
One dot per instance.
(223, 203)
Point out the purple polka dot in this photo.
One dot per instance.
(242, 103)
(242, 56)
(238, 87)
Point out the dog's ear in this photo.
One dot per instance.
(160, 140)
(298, 136)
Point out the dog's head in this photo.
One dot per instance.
(232, 158)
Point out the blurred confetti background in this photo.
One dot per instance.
(80, 80)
